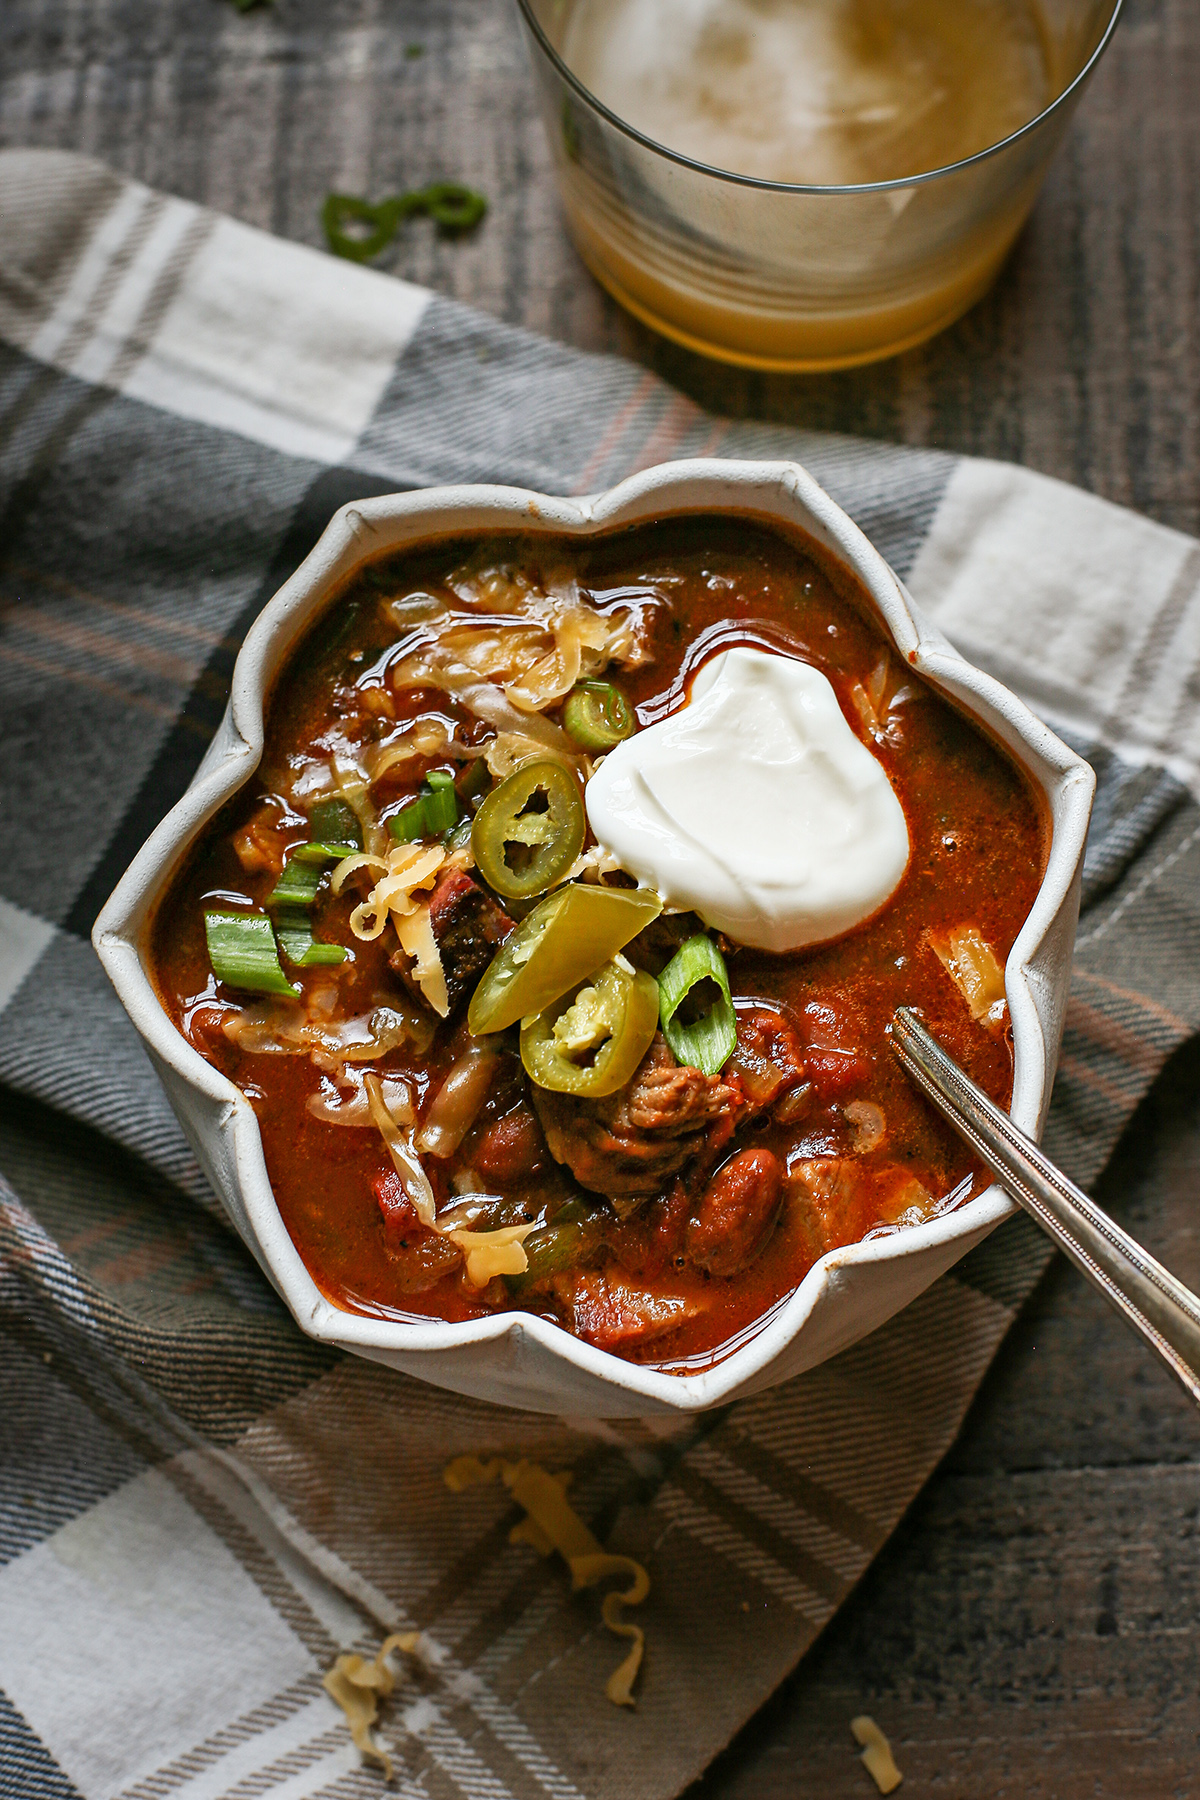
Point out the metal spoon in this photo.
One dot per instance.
(1166, 1313)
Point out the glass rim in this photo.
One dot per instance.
(812, 188)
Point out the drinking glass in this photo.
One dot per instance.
(777, 275)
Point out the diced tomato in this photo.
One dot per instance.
(834, 1065)
(399, 1214)
(835, 1072)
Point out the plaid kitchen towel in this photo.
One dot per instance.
(198, 1506)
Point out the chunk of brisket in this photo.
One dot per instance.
(628, 1145)
(468, 927)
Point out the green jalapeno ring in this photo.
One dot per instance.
(612, 1017)
(597, 714)
(546, 842)
(566, 936)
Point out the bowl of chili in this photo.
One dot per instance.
(535, 1302)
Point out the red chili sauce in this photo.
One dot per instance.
(809, 1138)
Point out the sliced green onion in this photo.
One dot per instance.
(294, 930)
(475, 780)
(441, 804)
(432, 814)
(708, 1042)
(334, 822)
(452, 206)
(574, 1233)
(408, 824)
(460, 837)
(598, 715)
(241, 948)
(298, 884)
(323, 853)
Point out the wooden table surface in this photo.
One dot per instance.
(1034, 1628)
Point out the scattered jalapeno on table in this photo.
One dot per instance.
(590, 1042)
(565, 937)
(529, 830)
(598, 715)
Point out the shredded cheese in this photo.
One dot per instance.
(553, 1524)
(492, 1253)
(356, 1684)
(877, 1754)
(404, 869)
(486, 1254)
(421, 737)
(405, 1160)
(975, 970)
(415, 932)
(506, 752)
(536, 657)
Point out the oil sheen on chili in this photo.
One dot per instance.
(494, 1068)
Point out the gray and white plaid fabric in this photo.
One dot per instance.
(198, 1506)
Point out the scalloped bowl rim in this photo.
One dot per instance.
(779, 491)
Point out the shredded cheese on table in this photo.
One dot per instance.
(356, 1684)
(553, 1524)
(877, 1754)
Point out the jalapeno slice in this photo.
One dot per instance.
(565, 937)
(529, 830)
(590, 1042)
(598, 715)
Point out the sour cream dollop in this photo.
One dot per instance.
(755, 806)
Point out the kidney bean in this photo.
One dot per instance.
(511, 1148)
(737, 1213)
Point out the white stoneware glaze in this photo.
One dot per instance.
(515, 1358)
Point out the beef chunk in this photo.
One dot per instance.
(629, 1144)
(468, 928)
(606, 1311)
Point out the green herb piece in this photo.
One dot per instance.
(447, 203)
(323, 853)
(412, 51)
(241, 949)
(334, 822)
(475, 780)
(441, 804)
(574, 1233)
(708, 1041)
(598, 715)
(298, 884)
(433, 813)
(245, 6)
(294, 929)
(452, 206)
(408, 824)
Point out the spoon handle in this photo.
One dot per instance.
(1163, 1310)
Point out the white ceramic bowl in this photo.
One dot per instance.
(515, 1358)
